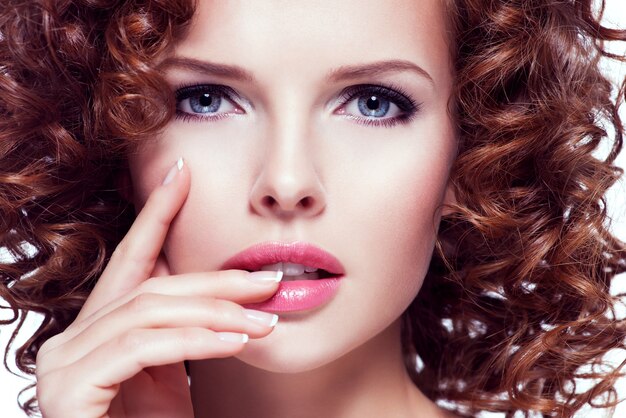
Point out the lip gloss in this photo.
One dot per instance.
(292, 295)
(299, 295)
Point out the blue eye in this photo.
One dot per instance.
(205, 101)
(375, 105)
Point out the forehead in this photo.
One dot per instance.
(286, 37)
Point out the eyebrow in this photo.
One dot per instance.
(342, 73)
(223, 70)
(376, 68)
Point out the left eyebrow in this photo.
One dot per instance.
(376, 69)
(221, 70)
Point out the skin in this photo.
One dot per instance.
(287, 160)
(289, 140)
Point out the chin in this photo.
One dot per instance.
(285, 359)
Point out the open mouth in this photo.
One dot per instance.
(293, 271)
(297, 260)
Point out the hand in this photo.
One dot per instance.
(123, 355)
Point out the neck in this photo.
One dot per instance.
(370, 381)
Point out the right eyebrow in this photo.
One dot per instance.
(222, 70)
(378, 68)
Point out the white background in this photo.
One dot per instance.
(616, 15)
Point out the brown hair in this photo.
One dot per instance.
(516, 306)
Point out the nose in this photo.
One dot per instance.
(288, 184)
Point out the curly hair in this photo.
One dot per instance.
(516, 307)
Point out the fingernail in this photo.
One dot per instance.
(173, 171)
(233, 337)
(264, 276)
(262, 317)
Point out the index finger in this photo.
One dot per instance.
(135, 256)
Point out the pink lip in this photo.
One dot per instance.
(293, 295)
(298, 295)
(259, 255)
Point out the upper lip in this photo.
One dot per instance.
(271, 252)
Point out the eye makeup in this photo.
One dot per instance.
(395, 94)
(206, 97)
(208, 93)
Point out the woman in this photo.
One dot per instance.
(294, 166)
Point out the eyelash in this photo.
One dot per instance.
(394, 94)
(186, 91)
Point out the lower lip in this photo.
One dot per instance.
(299, 295)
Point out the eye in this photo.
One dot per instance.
(206, 101)
(377, 105)
(372, 105)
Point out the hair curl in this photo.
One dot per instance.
(516, 307)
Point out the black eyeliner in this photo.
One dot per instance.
(185, 91)
(394, 93)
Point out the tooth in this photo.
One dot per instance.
(303, 276)
(292, 269)
(273, 267)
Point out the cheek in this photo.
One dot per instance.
(217, 199)
(397, 214)
(216, 220)
(395, 205)
(148, 167)
(212, 225)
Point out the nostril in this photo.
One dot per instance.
(307, 202)
(269, 201)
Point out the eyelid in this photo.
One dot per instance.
(187, 88)
(185, 91)
(404, 102)
(395, 93)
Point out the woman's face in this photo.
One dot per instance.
(333, 130)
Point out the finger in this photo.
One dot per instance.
(134, 258)
(236, 285)
(88, 385)
(158, 347)
(176, 402)
(174, 376)
(161, 267)
(151, 311)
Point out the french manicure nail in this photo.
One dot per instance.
(264, 276)
(233, 337)
(262, 317)
(173, 171)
